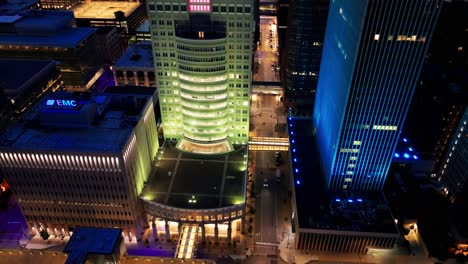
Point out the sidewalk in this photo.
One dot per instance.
(300, 257)
(37, 242)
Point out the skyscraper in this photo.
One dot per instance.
(203, 57)
(372, 57)
(301, 59)
(453, 172)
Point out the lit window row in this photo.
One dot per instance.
(200, 49)
(199, 8)
(195, 122)
(196, 59)
(206, 130)
(204, 97)
(357, 143)
(206, 88)
(198, 69)
(63, 162)
(203, 106)
(304, 73)
(205, 138)
(378, 127)
(204, 114)
(402, 38)
(347, 150)
(200, 1)
(202, 79)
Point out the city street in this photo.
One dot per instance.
(272, 204)
(266, 55)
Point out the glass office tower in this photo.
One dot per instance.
(453, 172)
(304, 40)
(372, 57)
(203, 57)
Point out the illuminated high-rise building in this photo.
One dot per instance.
(78, 160)
(203, 57)
(372, 57)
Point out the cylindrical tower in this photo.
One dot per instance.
(203, 88)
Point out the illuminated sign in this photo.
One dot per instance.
(199, 6)
(61, 103)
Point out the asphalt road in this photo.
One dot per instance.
(266, 53)
(269, 202)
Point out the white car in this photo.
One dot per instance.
(265, 183)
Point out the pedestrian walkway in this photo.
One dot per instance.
(37, 242)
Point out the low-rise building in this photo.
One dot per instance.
(110, 44)
(332, 220)
(123, 14)
(11, 7)
(22, 83)
(136, 66)
(79, 160)
(46, 34)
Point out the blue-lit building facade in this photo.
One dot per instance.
(372, 57)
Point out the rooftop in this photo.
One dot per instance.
(89, 124)
(104, 9)
(321, 209)
(69, 38)
(11, 79)
(39, 28)
(89, 240)
(137, 56)
(212, 181)
(11, 7)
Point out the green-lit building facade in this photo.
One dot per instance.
(203, 57)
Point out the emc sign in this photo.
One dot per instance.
(65, 103)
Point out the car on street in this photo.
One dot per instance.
(265, 183)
